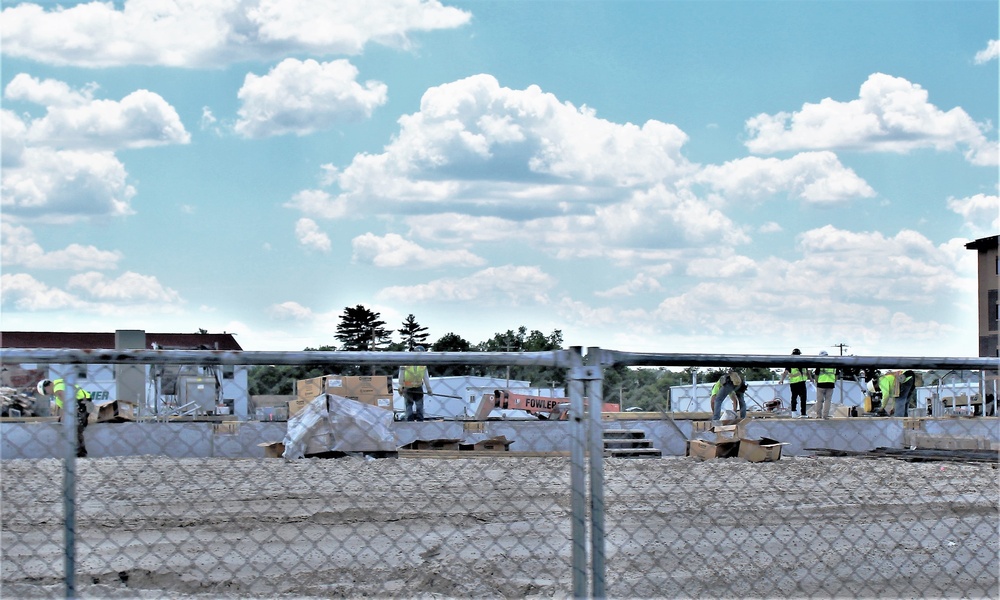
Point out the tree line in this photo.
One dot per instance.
(362, 330)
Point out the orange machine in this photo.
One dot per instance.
(540, 406)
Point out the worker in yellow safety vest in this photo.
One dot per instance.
(797, 378)
(413, 380)
(57, 388)
(826, 381)
(896, 387)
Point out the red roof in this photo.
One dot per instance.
(106, 341)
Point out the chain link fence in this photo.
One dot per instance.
(523, 480)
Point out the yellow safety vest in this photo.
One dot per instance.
(413, 377)
(826, 375)
(59, 385)
(797, 375)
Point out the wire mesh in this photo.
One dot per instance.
(184, 491)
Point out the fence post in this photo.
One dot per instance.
(578, 474)
(69, 417)
(595, 394)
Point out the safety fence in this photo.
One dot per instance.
(524, 479)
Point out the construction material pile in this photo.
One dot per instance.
(14, 403)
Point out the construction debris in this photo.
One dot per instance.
(14, 403)
(917, 454)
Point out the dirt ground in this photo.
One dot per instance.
(151, 527)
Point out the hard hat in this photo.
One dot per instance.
(796, 351)
(871, 386)
(823, 353)
(735, 378)
(42, 385)
(419, 349)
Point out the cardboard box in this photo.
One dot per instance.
(494, 444)
(354, 387)
(294, 406)
(729, 433)
(273, 449)
(706, 450)
(361, 385)
(115, 411)
(381, 401)
(449, 444)
(762, 450)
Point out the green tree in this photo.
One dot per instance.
(412, 333)
(523, 341)
(280, 379)
(452, 342)
(361, 329)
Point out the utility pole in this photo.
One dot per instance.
(841, 345)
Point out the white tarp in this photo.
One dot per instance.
(333, 423)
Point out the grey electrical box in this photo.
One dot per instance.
(201, 390)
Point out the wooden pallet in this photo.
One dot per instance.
(453, 454)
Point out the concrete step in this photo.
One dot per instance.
(628, 443)
(632, 453)
(608, 444)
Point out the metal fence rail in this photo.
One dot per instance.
(170, 502)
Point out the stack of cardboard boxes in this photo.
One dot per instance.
(727, 441)
(375, 390)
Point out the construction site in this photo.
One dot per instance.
(502, 491)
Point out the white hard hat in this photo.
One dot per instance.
(824, 353)
(42, 385)
(419, 349)
(735, 378)
(871, 386)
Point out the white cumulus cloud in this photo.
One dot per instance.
(991, 52)
(981, 213)
(815, 177)
(476, 144)
(393, 250)
(18, 248)
(301, 97)
(75, 120)
(891, 114)
(309, 235)
(127, 288)
(507, 285)
(290, 311)
(212, 33)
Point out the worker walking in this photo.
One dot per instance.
(826, 381)
(730, 383)
(412, 382)
(57, 388)
(797, 378)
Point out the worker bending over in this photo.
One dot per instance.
(896, 387)
(57, 388)
(731, 383)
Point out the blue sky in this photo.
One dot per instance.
(717, 177)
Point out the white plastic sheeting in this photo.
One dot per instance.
(335, 424)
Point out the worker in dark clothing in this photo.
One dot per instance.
(57, 388)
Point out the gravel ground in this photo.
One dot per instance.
(500, 527)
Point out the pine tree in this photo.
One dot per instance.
(413, 334)
(361, 329)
